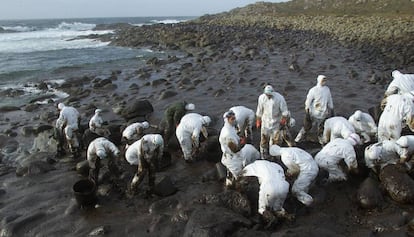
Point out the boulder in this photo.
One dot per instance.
(369, 195)
(398, 184)
(138, 108)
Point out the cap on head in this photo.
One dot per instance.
(354, 139)
(60, 106)
(206, 120)
(157, 140)
(98, 111)
(274, 150)
(268, 90)
(145, 124)
(402, 142)
(101, 153)
(189, 107)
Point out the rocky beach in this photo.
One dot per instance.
(216, 62)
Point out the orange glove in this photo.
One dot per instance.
(243, 141)
(258, 123)
(283, 121)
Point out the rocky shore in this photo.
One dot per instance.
(214, 62)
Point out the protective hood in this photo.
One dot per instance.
(320, 80)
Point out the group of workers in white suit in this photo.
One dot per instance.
(336, 134)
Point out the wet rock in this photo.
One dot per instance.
(397, 183)
(167, 94)
(211, 221)
(138, 108)
(165, 187)
(101, 230)
(31, 107)
(97, 83)
(8, 108)
(83, 168)
(165, 205)
(16, 224)
(33, 164)
(309, 231)
(27, 130)
(230, 199)
(158, 82)
(72, 207)
(43, 127)
(369, 195)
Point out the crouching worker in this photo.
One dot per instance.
(188, 133)
(273, 186)
(98, 149)
(336, 150)
(301, 163)
(236, 155)
(134, 132)
(146, 153)
(96, 124)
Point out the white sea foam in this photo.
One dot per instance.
(62, 37)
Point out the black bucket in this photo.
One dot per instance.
(85, 192)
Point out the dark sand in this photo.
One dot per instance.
(44, 205)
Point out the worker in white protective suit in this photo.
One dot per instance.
(273, 185)
(301, 163)
(96, 124)
(272, 113)
(364, 125)
(245, 119)
(336, 150)
(406, 144)
(337, 127)
(188, 133)
(99, 149)
(381, 154)
(236, 155)
(146, 153)
(134, 131)
(318, 107)
(397, 113)
(401, 83)
(67, 126)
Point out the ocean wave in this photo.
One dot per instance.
(74, 26)
(167, 21)
(19, 28)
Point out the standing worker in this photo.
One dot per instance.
(172, 117)
(272, 113)
(301, 163)
(98, 149)
(318, 107)
(67, 126)
(188, 133)
(244, 121)
(146, 153)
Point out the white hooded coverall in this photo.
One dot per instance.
(364, 125)
(273, 185)
(299, 162)
(270, 111)
(319, 103)
(188, 133)
(332, 153)
(406, 143)
(68, 122)
(397, 113)
(96, 123)
(401, 83)
(235, 160)
(97, 145)
(245, 118)
(382, 154)
(133, 131)
(146, 153)
(336, 127)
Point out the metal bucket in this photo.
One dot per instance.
(85, 192)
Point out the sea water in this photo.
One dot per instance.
(53, 50)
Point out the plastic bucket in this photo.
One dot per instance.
(85, 192)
